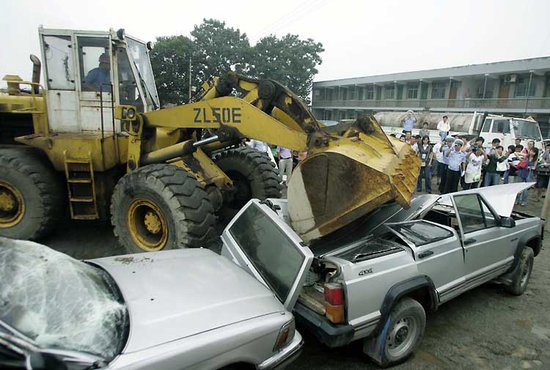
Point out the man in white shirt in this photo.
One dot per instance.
(438, 164)
(444, 127)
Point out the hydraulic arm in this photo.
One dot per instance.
(343, 177)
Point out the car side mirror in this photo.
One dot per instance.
(507, 222)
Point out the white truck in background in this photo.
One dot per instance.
(489, 126)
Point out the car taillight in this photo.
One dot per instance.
(334, 303)
(285, 335)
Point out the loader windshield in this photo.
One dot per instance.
(140, 56)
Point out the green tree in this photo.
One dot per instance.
(218, 49)
(214, 49)
(170, 62)
(288, 60)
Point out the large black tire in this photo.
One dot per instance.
(253, 175)
(522, 273)
(401, 334)
(161, 206)
(31, 195)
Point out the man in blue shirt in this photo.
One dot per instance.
(456, 165)
(99, 79)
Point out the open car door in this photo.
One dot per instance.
(261, 243)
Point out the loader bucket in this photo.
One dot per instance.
(350, 178)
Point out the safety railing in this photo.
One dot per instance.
(472, 104)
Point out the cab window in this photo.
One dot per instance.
(501, 126)
(95, 63)
(59, 61)
(127, 86)
(486, 125)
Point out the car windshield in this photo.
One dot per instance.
(59, 302)
(269, 249)
(526, 129)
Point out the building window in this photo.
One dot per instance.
(369, 93)
(399, 92)
(352, 91)
(412, 91)
(522, 85)
(389, 92)
(488, 86)
(438, 90)
(423, 90)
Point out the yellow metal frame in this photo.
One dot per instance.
(17, 102)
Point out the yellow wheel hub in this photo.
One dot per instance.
(12, 205)
(152, 222)
(147, 225)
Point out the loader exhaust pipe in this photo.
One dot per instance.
(36, 65)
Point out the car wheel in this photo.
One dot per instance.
(161, 206)
(522, 274)
(400, 336)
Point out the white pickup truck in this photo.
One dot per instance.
(375, 279)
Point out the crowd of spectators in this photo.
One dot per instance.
(455, 161)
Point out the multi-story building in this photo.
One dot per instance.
(516, 88)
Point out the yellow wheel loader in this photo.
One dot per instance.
(94, 142)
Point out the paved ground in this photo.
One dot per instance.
(482, 329)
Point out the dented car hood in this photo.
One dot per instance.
(180, 293)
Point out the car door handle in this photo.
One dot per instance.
(469, 241)
(425, 254)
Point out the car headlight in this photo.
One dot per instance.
(286, 333)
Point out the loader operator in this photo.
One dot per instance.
(99, 78)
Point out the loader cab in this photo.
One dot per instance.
(87, 73)
(507, 129)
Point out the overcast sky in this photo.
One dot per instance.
(361, 38)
